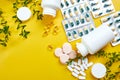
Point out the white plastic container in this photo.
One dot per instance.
(50, 6)
(95, 40)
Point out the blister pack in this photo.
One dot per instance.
(113, 21)
(77, 19)
(101, 7)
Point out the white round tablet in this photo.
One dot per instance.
(24, 13)
(58, 52)
(64, 58)
(67, 48)
(98, 70)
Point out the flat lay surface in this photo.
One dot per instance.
(33, 58)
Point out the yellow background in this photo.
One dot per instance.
(30, 59)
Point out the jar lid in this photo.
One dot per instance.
(49, 11)
(98, 70)
(82, 49)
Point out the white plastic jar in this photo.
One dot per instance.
(50, 7)
(95, 40)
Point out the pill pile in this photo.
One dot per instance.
(101, 7)
(65, 53)
(113, 22)
(78, 68)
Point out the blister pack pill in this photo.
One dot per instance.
(113, 21)
(101, 7)
(78, 26)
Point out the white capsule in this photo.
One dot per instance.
(82, 68)
(86, 60)
(79, 62)
(89, 64)
(76, 71)
(81, 77)
(85, 66)
(82, 73)
(77, 68)
(74, 63)
(74, 74)
(70, 68)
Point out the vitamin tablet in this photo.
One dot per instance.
(67, 48)
(24, 13)
(72, 54)
(58, 52)
(64, 58)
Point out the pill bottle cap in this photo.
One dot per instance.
(49, 11)
(82, 49)
(98, 70)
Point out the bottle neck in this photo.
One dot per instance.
(49, 11)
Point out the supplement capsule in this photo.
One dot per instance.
(71, 22)
(80, 32)
(74, 74)
(82, 19)
(81, 77)
(75, 34)
(81, 9)
(77, 21)
(76, 71)
(66, 3)
(116, 15)
(82, 73)
(70, 68)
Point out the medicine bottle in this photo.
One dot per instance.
(95, 40)
(49, 10)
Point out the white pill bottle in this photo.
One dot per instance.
(49, 10)
(95, 40)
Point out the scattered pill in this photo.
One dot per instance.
(64, 58)
(89, 64)
(98, 70)
(72, 54)
(74, 74)
(81, 77)
(70, 68)
(77, 68)
(82, 73)
(76, 71)
(58, 52)
(67, 48)
(24, 13)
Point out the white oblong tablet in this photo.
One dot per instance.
(67, 48)
(58, 52)
(72, 54)
(64, 58)
(98, 70)
(24, 13)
